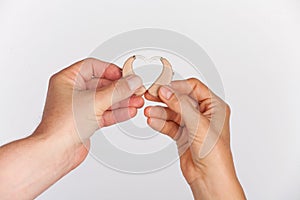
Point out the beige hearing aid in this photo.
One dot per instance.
(164, 78)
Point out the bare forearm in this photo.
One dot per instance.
(29, 166)
(210, 190)
(219, 179)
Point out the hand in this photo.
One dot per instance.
(86, 96)
(198, 121)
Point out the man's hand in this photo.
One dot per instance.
(198, 121)
(89, 95)
(86, 96)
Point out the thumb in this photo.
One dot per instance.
(198, 126)
(116, 91)
(180, 103)
(183, 105)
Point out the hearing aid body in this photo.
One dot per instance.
(164, 78)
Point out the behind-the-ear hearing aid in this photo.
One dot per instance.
(164, 78)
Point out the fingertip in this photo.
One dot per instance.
(140, 100)
(161, 96)
(136, 101)
(132, 112)
(149, 97)
(156, 124)
(165, 92)
(147, 111)
(134, 82)
(113, 72)
(149, 121)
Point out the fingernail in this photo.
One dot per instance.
(134, 82)
(166, 92)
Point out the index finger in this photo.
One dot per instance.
(149, 97)
(93, 68)
(192, 87)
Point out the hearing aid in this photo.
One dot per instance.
(164, 78)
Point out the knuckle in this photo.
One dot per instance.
(89, 60)
(197, 83)
(228, 109)
(55, 78)
(193, 80)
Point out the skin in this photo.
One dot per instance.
(30, 165)
(92, 94)
(192, 113)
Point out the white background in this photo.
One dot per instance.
(254, 44)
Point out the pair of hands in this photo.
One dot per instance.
(92, 94)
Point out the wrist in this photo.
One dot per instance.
(210, 189)
(64, 146)
(218, 179)
(40, 160)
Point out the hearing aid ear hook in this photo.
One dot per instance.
(164, 78)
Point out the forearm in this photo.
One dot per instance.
(206, 190)
(29, 166)
(219, 179)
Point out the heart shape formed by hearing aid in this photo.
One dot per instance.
(164, 78)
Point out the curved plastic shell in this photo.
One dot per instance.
(128, 70)
(164, 78)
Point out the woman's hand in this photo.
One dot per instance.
(198, 121)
